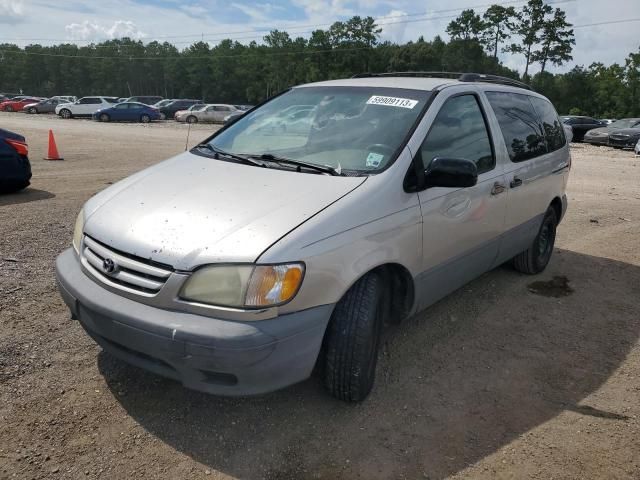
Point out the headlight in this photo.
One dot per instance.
(240, 286)
(77, 231)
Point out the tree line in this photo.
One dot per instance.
(233, 72)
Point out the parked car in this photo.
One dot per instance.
(164, 102)
(16, 105)
(211, 113)
(15, 169)
(170, 109)
(146, 99)
(8, 96)
(85, 107)
(47, 106)
(637, 148)
(581, 125)
(127, 112)
(600, 136)
(233, 116)
(239, 266)
(624, 137)
(607, 121)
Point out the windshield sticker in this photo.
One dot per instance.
(392, 101)
(374, 160)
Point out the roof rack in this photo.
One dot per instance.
(452, 75)
(462, 77)
(482, 77)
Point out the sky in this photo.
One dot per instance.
(184, 21)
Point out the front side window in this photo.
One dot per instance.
(553, 131)
(521, 129)
(459, 131)
(359, 129)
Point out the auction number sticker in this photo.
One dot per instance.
(392, 101)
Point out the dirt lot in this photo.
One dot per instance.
(499, 380)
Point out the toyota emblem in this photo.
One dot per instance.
(109, 266)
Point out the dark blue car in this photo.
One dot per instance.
(15, 169)
(127, 112)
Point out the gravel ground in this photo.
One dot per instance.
(510, 377)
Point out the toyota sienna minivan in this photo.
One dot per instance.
(273, 247)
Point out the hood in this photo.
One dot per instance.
(631, 132)
(193, 210)
(599, 131)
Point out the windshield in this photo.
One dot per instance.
(348, 128)
(197, 107)
(625, 123)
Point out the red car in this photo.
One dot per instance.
(17, 105)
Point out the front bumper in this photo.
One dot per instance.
(629, 142)
(212, 355)
(600, 140)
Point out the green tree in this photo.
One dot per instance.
(498, 24)
(556, 41)
(467, 26)
(529, 24)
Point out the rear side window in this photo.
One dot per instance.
(553, 131)
(522, 132)
(459, 131)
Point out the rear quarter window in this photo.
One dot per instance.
(553, 131)
(521, 129)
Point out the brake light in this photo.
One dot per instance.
(21, 147)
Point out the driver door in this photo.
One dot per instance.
(461, 226)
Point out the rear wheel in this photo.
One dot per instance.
(145, 118)
(9, 108)
(536, 258)
(65, 113)
(163, 116)
(353, 339)
(104, 117)
(192, 119)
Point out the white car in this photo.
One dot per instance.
(637, 148)
(212, 113)
(85, 107)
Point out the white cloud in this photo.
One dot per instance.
(392, 28)
(88, 30)
(11, 11)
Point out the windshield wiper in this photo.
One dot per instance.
(288, 161)
(222, 153)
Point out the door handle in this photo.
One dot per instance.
(498, 188)
(516, 182)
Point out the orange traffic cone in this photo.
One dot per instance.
(53, 149)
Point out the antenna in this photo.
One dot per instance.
(186, 144)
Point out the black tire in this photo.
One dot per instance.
(32, 110)
(192, 119)
(163, 116)
(65, 113)
(144, 118)
(353, 337)
(536, 258)
(104, 117)
(9, 108)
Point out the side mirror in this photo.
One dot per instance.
(451, 173)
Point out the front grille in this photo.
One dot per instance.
(130, 272)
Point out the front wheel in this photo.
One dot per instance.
(192, 119)
(9, 108)
(64, 113)
(535, 259)
(352, 340)
(104, 117)
(32, 110)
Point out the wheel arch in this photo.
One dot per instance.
(556, 204)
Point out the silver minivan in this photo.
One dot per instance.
(277, 246)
